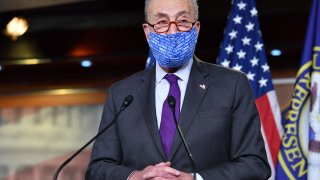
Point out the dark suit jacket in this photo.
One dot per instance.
(220, 123)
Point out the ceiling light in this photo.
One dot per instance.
(16, 27)
(86, 63)
(276, 52)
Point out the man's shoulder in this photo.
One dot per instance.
(219, 70)
(134, 79)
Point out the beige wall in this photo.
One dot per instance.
(284, 92)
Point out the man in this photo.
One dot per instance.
(214, 106)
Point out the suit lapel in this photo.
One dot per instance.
(146, 93)
(196, 90)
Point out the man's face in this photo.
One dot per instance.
(169, 11)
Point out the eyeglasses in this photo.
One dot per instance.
(163, 26)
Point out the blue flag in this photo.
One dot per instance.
(299, 156)
(150, 61)
(242, 49)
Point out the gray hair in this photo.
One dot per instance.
(193, 2)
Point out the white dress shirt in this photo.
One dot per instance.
(162, 86)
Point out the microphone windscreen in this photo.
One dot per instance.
(171, 101)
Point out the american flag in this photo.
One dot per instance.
(242, 49)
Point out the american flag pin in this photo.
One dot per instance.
(203, 86)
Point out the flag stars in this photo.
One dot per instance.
(242, 6)
(237, 19)
(241, 54)
(254, 62)
(250, 76)
(229, 49)
(246, 41)
(263, 82)
(258, 46)
(253, 12)
(265, 67)
(243, 45)
(237, 67)
(250, 27)
(225, 63)
(233, 34)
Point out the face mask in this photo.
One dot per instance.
(173, 50)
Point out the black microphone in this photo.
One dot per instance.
(126, 102)
(172, 104)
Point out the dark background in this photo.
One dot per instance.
(109, 32)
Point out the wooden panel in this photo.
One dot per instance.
(54, 98)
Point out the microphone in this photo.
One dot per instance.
(172, 104)
(126, 102)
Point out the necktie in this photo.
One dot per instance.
(167, 125)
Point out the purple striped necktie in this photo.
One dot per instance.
(167, 125)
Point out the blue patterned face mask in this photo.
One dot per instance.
(173, 50)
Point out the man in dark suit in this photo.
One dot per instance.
(214, 106)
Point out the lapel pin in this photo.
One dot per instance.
(203, 86)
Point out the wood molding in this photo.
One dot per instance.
(58, 97)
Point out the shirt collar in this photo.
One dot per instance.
(183, 73)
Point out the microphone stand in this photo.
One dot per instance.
(127, 101)
(172, 104)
